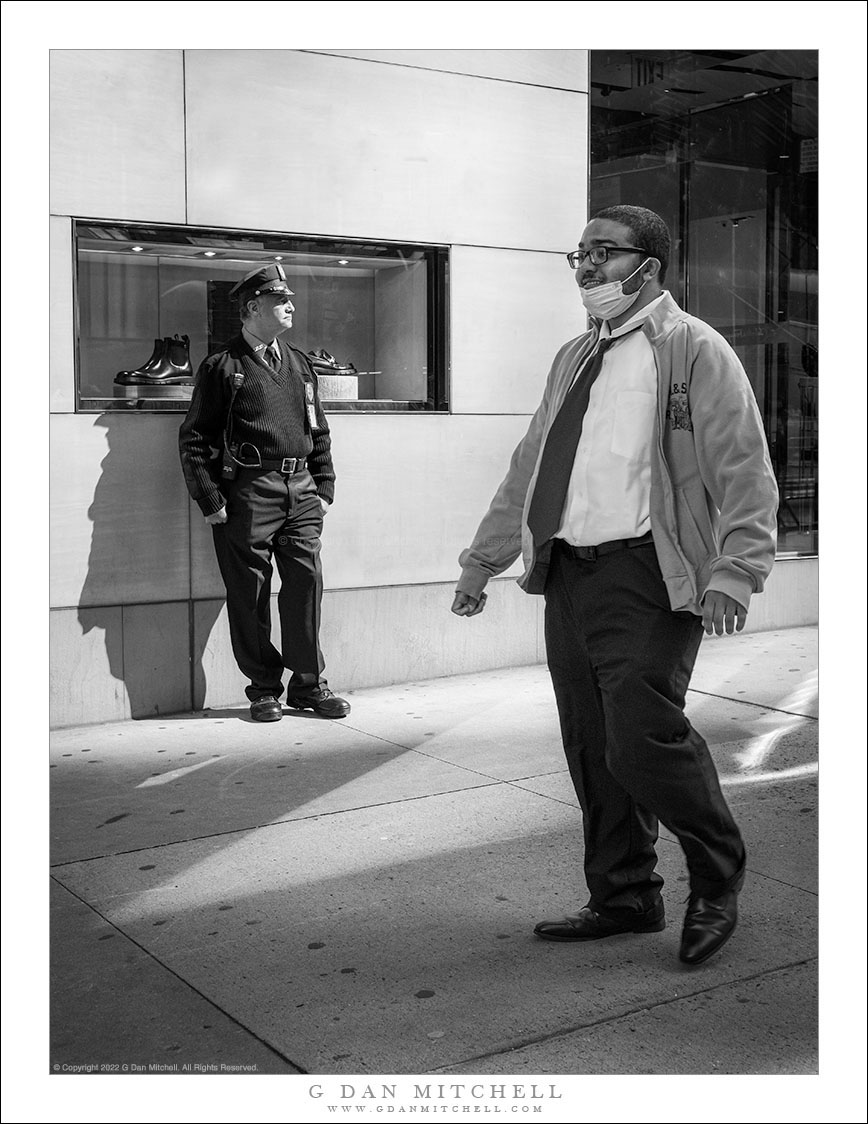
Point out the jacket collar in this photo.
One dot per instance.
(663, 320)
(658, 324)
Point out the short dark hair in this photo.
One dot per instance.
(243, 301)
(648, 230)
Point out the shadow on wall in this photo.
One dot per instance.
(138, 588)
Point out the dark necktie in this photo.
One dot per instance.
(559, 454)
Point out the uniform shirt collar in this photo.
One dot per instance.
(256, 345)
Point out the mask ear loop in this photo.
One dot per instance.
(636, 270)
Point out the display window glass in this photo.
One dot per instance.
(153, 301)
(723, 145)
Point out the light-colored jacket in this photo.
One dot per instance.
(713, 492)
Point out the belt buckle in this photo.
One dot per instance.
(587, 553)
(288, 465)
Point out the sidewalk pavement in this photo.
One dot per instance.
(358, 897)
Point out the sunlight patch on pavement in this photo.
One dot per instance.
(275, 863)
(760, 748)
(772, 728)
(795, 773)
(165, 778)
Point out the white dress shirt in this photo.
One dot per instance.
(610, 487)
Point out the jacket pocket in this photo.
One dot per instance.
(696, 537)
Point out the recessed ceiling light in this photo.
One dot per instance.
(138, 249)
(343, 261)
(210, 253)
(278, 257)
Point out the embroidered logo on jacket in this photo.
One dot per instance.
(678, 408)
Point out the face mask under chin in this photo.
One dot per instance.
(606, 301)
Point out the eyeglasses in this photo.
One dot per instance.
(600, 254)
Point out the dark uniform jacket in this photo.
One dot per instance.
(270, 414)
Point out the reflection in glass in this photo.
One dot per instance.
(723, 145)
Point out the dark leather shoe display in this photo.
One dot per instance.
(321, 701)
(708, 925)
(588, 925)
(169, 365)
(148, 365)
(266, 709)
(326, 364)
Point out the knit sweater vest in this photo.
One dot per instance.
(269, 414)
(270, 411)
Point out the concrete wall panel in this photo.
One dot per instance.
(565, 70)
(361, 149)
(790, 598)
(86, 662)
(117, 134)
(397, 634)
(61, 332)
(119, 526)
(394, 634)
(411, 492)
(216, 678)
(511, 311)
(205, 580)
(157, 658)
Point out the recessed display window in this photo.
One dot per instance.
(153, 301)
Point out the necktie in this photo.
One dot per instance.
(559, 454)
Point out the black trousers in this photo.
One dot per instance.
(272, 516)
(620, 662)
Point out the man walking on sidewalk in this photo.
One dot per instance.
(644, 504)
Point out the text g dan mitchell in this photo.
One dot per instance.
(454, 1092)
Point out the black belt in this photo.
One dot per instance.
(288, 465)
(592, 553)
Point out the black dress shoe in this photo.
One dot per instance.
(266, 709)
(588, 925)
(321, 701)
(708, 925)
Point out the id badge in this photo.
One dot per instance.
(311, 409)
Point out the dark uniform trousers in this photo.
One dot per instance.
(620, 662)
(272, 515)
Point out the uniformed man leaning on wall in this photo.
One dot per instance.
(264, 494)
(643, 501)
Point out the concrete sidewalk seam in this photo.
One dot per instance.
(186, 983)
(455, 764)
(747, 702)
(510, 1048)
(464, 768)
(283, 822)
(790, 885)
(495, 782)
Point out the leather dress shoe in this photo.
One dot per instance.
(266, 709)
(321, 700)
(708, 925)
(168, 365)
(588, 925)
